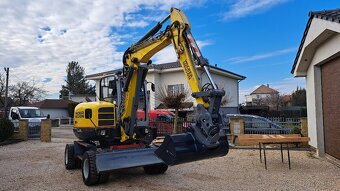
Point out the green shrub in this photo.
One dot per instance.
(6, 129)
(296, 130)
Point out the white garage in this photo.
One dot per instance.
(318, 60)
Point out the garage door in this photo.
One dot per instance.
(331, 106)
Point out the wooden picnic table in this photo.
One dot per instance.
(264, 140)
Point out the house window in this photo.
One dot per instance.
(175, 89)
(258, 96)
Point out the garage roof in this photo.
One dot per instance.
(329, 15)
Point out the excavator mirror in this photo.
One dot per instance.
(153, 87)
(88, 113)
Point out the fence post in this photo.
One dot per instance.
(304, 126)
(45, 133)
(23, 130)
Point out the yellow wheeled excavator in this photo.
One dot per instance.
(110, 135)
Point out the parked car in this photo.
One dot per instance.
(254, 124)
(32, 114)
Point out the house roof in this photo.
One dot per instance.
(264, 89)
(328, 15)
(51, 103)
(165, 66)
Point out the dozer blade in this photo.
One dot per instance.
(183, 148)
(114, 160)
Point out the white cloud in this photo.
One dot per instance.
(241, 59)
(79, 30)
(242, 8)
(168, 54)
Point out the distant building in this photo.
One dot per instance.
(171, 76)
(262, 96)
(318, 60)
(56, 108)
(79, 98)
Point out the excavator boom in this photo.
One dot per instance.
(206, 137)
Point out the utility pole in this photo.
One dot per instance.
(6, 91)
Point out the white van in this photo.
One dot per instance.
(32, 114)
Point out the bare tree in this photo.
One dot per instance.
(173, 99)
(25, 92)
(274, 101)
(226, 99)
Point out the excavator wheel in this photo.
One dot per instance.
(89, 171)
(69, 159)
(103, 177)
(155, 169)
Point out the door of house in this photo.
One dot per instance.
(331, 106)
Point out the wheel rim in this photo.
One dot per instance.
(66, 155)
(86, 168)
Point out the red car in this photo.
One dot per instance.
(162, 120)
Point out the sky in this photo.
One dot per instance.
(254, 38)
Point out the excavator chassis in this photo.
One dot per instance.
(176, 149)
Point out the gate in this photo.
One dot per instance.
(34, 129)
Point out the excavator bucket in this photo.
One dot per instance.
(183, 148)
(126, 159)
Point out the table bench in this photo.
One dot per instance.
(272, 139)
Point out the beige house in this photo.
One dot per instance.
(260, 95)
(171, 77)
(318, 60)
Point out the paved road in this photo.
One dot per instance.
(66, 133)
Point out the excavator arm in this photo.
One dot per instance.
(206, 134)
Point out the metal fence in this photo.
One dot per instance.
(165, 127)
(61, 121)
(34, 129)
(286, 122)
(266, 131)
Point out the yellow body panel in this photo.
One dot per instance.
(79, 115)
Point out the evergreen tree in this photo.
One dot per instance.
(299, 97)
(75, 81)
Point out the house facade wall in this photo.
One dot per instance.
(55, 113)
(162, 80)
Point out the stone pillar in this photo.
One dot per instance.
(304, 126)
(23, 130)
(236, 128)
(45, 131)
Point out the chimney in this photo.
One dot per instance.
(268, 85)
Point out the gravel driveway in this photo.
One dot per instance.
(33, 165)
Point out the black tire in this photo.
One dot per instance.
(89, 169)
(103, 177)
(69, 158)
(155, 169)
